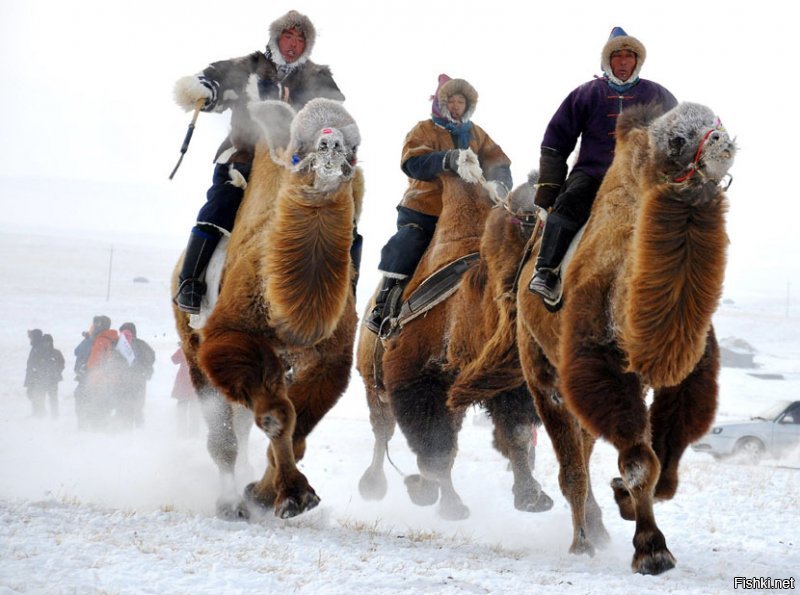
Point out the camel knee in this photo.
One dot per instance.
(639, 468)
(276, 419)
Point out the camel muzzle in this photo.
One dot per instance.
(330, 160)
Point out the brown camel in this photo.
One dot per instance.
(280, 338)
(640, 292)
(407, 375)
(494, 362)
(639, 295)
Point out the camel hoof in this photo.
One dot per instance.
(623, 499)
(265, 500)
(232, 511)
(372, 485)
(291, 507)
(454, 511)
(582, 547)
(422, 492)
(654, 563)
(526, 502)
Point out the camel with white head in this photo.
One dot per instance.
(639, 294)
(280, 338)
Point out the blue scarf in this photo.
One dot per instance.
(621, 88)
(459, 132)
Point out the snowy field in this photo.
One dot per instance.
(90, 133)
(133, 512)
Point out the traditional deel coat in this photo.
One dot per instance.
(427, 143)
(265, 75)
(591, 111)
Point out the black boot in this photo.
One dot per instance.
(558, 234)
(191, 287)
(377, 315)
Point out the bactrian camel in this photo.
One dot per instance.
(280, 338)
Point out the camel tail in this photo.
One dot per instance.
(496, 369)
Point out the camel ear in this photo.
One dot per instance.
(274, 118)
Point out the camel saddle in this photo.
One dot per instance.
(432, 291)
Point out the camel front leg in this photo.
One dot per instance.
(248, 371)
(610, 403)
(682, 414)
(372, 485)
(513, 415)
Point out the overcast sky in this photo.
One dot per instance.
(87, 91)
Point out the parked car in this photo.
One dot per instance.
(771, 433)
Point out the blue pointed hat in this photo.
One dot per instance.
(616, 32)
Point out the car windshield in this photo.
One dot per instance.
(773, 411)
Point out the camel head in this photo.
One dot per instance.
(324, 140)
(321, 139)
(520, 200)
(691, 147)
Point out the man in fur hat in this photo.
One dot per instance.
(590, 113)
(283, 72)
(447, 143)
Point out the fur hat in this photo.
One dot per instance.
(291, 20)
(451, 87)
(619, 40)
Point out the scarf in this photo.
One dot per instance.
(621, 88)
(459, 132)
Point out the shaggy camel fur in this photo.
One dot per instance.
(495, 360)
(407, 377)
(281, 336)
(640, 292)
(639, 296)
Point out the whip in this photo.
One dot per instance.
(188, 137)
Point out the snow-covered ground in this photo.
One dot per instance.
(134, 511)
(90, 134)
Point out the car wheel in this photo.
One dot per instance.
(749, 450)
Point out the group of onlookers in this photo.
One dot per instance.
(112, 368)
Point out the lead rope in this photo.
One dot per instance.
(693, 165)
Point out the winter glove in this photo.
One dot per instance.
(497, 190)
(552, 173)
(464, 163)
(189, 90)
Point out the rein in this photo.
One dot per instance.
(693, 165)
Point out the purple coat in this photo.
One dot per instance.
(590, 112)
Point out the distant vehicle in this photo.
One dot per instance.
(772, 432)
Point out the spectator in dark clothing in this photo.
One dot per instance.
(35, 380)
(132, 388)
(53, 362)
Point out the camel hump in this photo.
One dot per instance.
(319, 115)
(638, 117)
(274, 118)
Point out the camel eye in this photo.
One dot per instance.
(676, 145)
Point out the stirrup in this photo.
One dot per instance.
(190, 295)
(375, 319)
(545, 283)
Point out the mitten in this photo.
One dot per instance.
(189, 90)
(465, 163)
